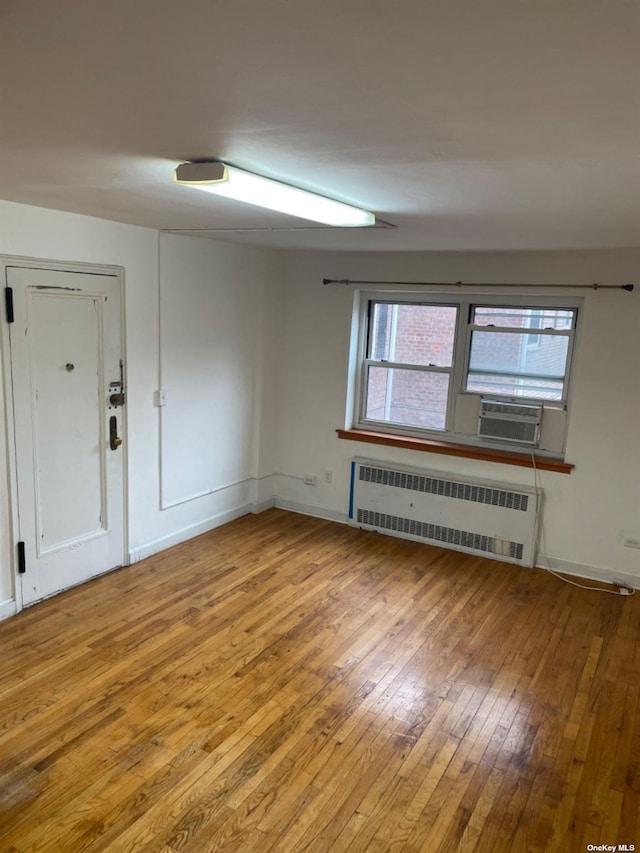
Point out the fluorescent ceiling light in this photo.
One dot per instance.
(243, 186)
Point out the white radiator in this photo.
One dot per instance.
(495, 520)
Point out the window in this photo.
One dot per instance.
(423, 362)
(409, 364)
(519, 352)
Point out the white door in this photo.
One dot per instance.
(66, 364)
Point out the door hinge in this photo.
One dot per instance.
(22, 565)
(8, 299)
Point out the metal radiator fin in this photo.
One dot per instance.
(445, 488)
(435, 532)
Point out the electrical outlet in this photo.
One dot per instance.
(311, 480)
(328, 476)
(631, 541)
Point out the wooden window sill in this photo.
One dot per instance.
(504, 457)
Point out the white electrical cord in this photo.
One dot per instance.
(625, 591)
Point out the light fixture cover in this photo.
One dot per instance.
(222, 179)
(200, 173)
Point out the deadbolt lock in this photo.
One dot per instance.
(117, 399)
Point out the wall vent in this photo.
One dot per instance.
(478, 517)
(509, 422)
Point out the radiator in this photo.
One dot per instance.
(492, 519)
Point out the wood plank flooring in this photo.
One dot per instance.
(290, 684)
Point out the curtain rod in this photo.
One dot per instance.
(347, 282)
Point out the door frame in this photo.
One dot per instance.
(117, 272)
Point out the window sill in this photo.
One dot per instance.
(504, 457)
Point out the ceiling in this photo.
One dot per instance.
(467, 124)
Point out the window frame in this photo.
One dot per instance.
(525, 331)
(367, 362)
(535, 342)
(459, 370)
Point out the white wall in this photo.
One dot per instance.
(254, 354)
(219, 291)
(214, 334)
(586, 512)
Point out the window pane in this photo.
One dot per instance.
(412, 398)
(413, 334)
(504, 363)
(515, 387)
(534, 318)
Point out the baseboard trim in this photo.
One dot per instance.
(543, 561)
(309, 509)
(141, 552)
(8, 608)
(581, 570)
(261, 506)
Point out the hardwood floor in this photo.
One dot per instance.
(286, 684)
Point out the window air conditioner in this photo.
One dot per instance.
(509, 422)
